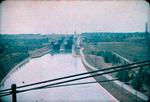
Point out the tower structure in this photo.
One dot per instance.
(147, 37)
(146, 28)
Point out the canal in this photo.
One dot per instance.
(50, 67)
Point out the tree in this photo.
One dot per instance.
(123, 76)
(136, 83)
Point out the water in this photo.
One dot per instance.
(50, 67)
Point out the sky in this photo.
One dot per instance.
(46, 17)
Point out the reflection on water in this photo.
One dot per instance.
(50, 67)
(66, 51)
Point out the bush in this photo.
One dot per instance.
(123, 76)
(136, 83)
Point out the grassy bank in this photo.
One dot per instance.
(16, 48)
(132, 51)
(118, 92)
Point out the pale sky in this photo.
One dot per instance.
(27, 16)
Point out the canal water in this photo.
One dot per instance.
(50, 67)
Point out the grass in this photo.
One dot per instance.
(131, 51)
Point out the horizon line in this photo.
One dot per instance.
(66, 33)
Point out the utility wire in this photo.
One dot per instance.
(81, 83)
(85, 77)
(77, 75)
(74, 84)
(5, 94)
(5, 90)
(55, 84)
(90, 82)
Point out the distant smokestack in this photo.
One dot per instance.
(146, 28)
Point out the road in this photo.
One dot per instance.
(49, 67)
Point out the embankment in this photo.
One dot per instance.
(34, 54)
(121, 91)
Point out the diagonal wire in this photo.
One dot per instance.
(67, 81)
(81, 83)
(89, 82)
(71, 80)
(5, 94)
(75, 84)
(77, 75)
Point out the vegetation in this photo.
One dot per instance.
(92, 37)
(123, 76)
(16, 48)
(133, 46)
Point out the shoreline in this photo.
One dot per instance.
(14, 69)
(117, 83)
(22, 63)
(42, 54)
